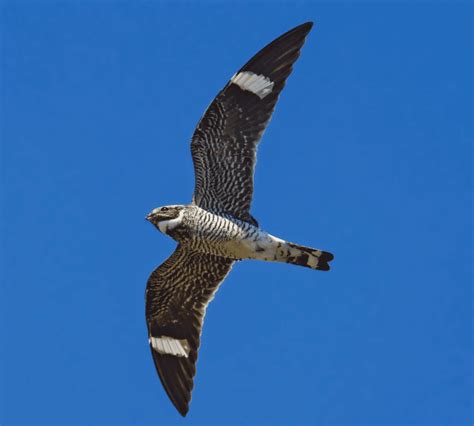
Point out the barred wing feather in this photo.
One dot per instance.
(225, 141)
(177, 295)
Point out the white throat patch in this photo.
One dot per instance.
(168, 225)
(169, 346)
(257, 84)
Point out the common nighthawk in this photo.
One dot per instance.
(217, 229)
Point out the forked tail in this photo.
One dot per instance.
(308, 257)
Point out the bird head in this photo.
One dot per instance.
(166, 218)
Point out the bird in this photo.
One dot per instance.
(216, 229)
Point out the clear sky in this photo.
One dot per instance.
(368, 156)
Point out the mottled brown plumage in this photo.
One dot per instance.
(217, 228)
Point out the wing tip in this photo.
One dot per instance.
(306, 25)
(183, 410)
(304, 28)
(178, 393)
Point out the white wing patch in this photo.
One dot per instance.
(169, 346)
(257, 84)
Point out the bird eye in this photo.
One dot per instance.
(164, 209)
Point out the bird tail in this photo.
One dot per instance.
(308, 257)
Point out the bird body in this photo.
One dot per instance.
(224, 235)
(217, 229)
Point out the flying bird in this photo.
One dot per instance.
(216, 229)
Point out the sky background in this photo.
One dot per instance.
(372, 136)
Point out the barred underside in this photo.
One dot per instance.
(225, 141)
(218, 228)
(177, 295)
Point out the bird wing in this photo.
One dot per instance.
(225, 141)
(177, 295)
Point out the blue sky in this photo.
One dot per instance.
(368, 155)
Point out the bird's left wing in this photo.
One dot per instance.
(177, 295)
(225, 141)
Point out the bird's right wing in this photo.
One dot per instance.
(177, 295)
